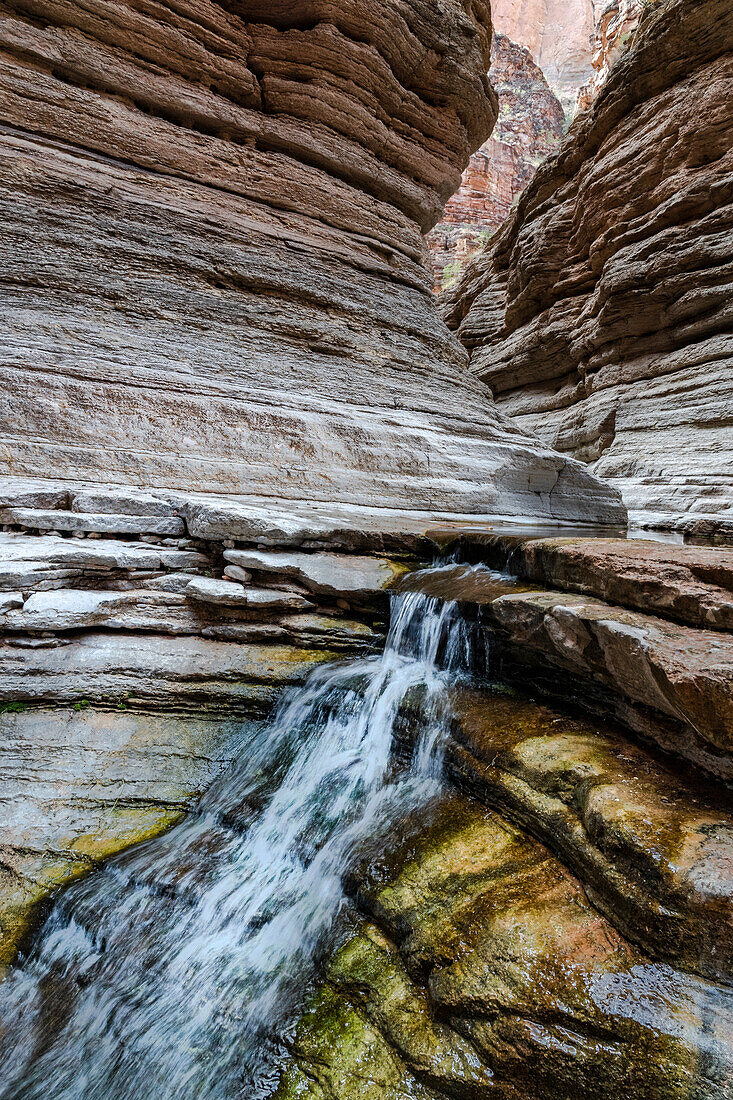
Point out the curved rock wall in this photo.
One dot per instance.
(212, 264)
(600, 318)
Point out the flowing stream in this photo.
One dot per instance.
(164, 975)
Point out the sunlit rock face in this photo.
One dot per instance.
(529, 128)
(599, 316)
(212, 269)
(558, 35)
(614, 33)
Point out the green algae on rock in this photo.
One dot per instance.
(653, 849)
(520, 987)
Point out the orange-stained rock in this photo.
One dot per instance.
(559, 36)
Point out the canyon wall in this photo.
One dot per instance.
(212, 264)
(615, 32)
(558, 35)
(600, 316)
(529, 127)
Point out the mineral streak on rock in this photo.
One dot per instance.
(482, 970)
(529, 128)
(212, 265)
(600, 316)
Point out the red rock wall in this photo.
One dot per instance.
(529, 127)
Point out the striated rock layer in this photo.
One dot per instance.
(600, 318)
(530, 126)
(212, 264)
(615, 32)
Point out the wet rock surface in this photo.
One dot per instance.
(80, 785)
(598, 318)
(481, 969)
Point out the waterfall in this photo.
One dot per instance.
(162, 975)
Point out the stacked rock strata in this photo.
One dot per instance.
(599, 316)
(564, 926)
(528, 129)
(212, 270)
(559, 35)
(615, 32)
(122, 695)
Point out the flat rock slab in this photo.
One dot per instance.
(127, 668)
(649, 664)
(327, 574)
(104, 523)
(225, 593)
(95, 554)
(691, 584)
(121, 502)
(475, 584)
(150, 610)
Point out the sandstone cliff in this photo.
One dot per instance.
(599, 317)
(615, 32)
(559, 35)
(529, 127)
(212, 265)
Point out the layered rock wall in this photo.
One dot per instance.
(600, 316)
(529, 127)
(559, 35)
(615, 32)
(212, 264)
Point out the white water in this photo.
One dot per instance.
(162, 976)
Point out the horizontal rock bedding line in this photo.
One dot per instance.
(670, 683)
(34, 505)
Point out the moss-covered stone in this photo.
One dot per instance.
(485, 972)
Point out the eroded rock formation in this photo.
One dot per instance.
(599, 317)
(212, 263)
(559, 36)
(562, 923)
(529, 127)
(614, 33)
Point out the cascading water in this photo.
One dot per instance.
(162, 976)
